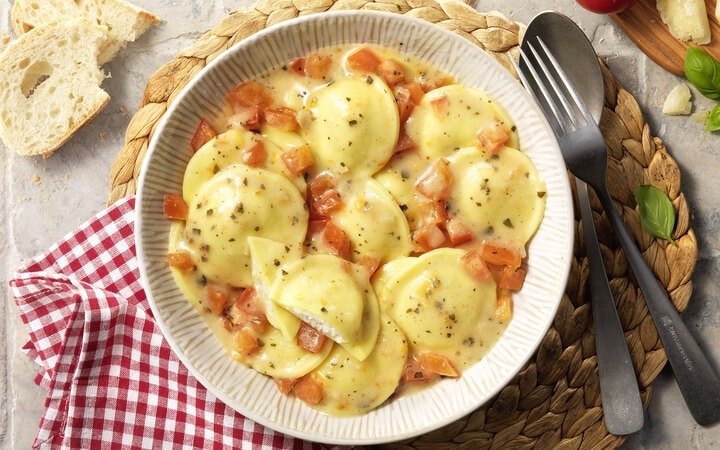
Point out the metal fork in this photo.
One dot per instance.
(622, 406)
(585, 153)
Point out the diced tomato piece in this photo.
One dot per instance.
(337, 240)
(247, 301)
(404, 142)
(434, 83)
(323, 197)
(512, 278)
(226, 324)
(245, 341)
(203, 134)
(282, 118)
(214, 298)
(492, 137)
(327, 203)
(437, 363)
(181, 260)
(503, 306)
(316, 226)
(255, 155)
(297, 159)
(363, 60)
(432, 213)
(320, 183)
(416, 91)
(435, 183)
(458, 232)
(174, 207)
(405, 103)
(310, 339)
(246, 311)
(285, 385)
(298, 66)
(370, 263)
(429, 237)
(404, 110)
(250, 118)
(500, 256)
(317, 65)
(309, 389)
(475, 265)
(440, 106)
(391, 71)
(413, 372)
(248, 94)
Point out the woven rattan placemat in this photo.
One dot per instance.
(554, 402)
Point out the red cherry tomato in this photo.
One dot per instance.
(606, 6)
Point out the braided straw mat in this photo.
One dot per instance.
(554, 402)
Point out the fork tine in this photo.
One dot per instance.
(561, 85)
(544, 100)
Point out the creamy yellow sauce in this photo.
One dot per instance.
(248, 227)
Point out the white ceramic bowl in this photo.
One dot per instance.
(255, 395)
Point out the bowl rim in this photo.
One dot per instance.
(142, 193)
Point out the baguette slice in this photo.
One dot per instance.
(125, 22)
(686, 19)
(50, 85)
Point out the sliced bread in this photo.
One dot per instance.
(50, 85)
(125, 22)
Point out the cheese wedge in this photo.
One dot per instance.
(686, 19)
(678, 101)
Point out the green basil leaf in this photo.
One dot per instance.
(657, 214)
(713, 121)
(703, 71)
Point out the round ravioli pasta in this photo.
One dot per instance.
(450, 117)
(216, 154)
(238, 202)
(439, 306)
(334, 296)
(227, 149)
(354, 387)
(354, 126)
(501, 197)
(373, 221)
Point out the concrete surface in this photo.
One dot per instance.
(72, 185)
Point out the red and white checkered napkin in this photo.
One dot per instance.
(112, 379)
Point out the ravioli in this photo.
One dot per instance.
(354, 126)
(354, 387)
(501, 197)
(449, 118)
(226, 149)
(373, 221)
(239, 202)
(267, 256)
(334, 296)
(442, 308)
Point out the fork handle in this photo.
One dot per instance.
(621, 402)
(698, 382)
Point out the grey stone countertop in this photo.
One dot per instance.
(43, 199)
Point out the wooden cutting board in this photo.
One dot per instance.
(642, 23)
